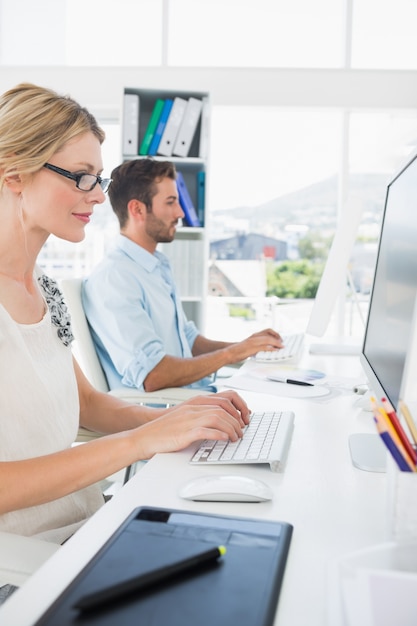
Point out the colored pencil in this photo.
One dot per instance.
(408, 418)
(390, 438)
(389, 409)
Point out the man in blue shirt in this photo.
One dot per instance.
(140, 330)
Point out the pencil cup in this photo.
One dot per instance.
(379, 586)
(402, 504)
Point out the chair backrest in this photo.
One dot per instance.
(84, 348)
(86, 355)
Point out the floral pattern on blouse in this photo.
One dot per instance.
(60, 315)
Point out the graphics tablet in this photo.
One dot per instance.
(240, 588)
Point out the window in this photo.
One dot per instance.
(300, 158)
(384, 34)
(261, 153)
(265, 33)
(209, 33)
(81, 33)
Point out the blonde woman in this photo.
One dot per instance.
(50, 181)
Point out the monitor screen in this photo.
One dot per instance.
(390, 314)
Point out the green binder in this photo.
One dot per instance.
(153, 123)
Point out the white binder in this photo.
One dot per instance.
(130, 124)
(188, 127)
(166, 145)
(205, 131)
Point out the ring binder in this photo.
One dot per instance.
(130, 124)
(188, 127)
(191, 217)
(170, 133)
(153, 122)
(160, 126)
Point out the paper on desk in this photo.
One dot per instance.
(252, 376)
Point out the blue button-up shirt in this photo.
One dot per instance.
(135, 314)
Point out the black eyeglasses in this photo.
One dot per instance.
(84, 182)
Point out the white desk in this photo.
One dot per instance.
(334, 507)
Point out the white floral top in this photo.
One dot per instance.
(39, 412)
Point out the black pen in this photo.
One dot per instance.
(290, 381)
(142, 581)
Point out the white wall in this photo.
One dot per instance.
(101, 89)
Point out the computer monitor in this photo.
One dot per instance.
(389, 325)
(391, 308)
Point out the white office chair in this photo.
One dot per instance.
(86, 355)
(21, 556)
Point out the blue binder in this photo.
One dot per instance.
(187, 205)
(201, 195)
(161, 126)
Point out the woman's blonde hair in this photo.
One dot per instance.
(35, 123)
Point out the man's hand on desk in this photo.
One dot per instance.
(267, 339)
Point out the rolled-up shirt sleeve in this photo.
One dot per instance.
(133, 319)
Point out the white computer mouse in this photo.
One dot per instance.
(226, 488)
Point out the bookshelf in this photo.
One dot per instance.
(188, 253)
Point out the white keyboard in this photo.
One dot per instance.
(265, 440)
(293, 346)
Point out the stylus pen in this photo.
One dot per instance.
(97, 599)
(290, 381)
